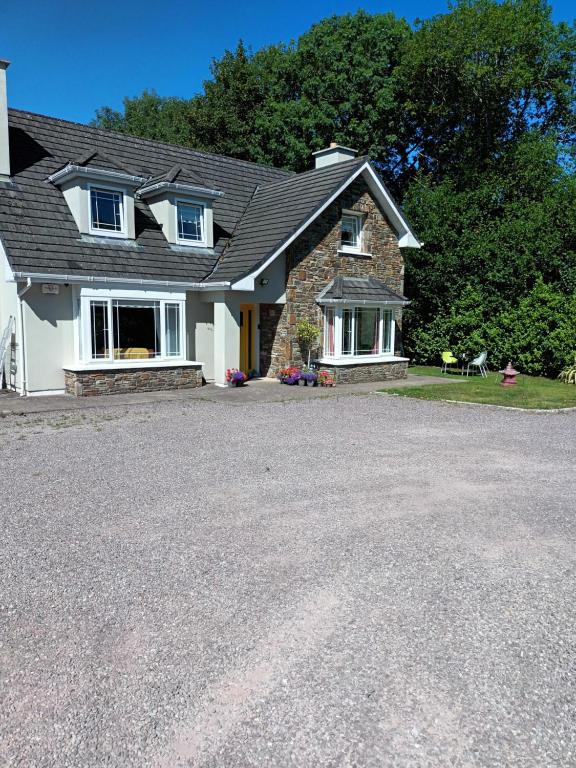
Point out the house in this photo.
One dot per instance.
(128, 264)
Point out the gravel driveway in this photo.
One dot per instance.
(362, 581)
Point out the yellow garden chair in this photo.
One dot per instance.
(447, 360)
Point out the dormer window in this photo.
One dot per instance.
(99, 190)
(107, 212)
(182, 204)
(190, 223)
(351, 232)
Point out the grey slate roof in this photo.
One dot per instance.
(261, 207)
(276, 211)
(357, 290)
(179, 174)
(97, 159)
(40, 235)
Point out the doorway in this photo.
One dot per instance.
(247, 337)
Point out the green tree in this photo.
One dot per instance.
(480, 76)
(151, 117)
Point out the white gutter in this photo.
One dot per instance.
(371, 302)
(168, 186)
(21, 332)
(47, 277)
(99, 173)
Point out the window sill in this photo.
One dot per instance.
(362, 360)
(100, 365)
(192, 243)
(352, 252)
(99, 239)
(108, 233)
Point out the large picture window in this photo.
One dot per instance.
(358, 331)
(136, 329)
(133, 329)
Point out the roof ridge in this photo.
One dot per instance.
(107, 156)
(108, 132)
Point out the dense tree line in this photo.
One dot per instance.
(471, 119)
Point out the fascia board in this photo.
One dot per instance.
(406, 238)
(300, 229)
(163, 187)
(73, 171)
(47, 277)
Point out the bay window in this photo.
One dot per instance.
(117, 329)
(358, 331)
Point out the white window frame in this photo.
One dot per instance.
(359, 225)
(109, 297)
(386, 316)
(107, 232)
(203, 243)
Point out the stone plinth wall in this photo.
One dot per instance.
(352, 374)
(313, 260)
(113, 382)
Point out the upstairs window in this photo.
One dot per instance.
(190, 222)
(106, 211)
(351, 233)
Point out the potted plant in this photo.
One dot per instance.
(326, 379)
(290, 375)
(309, 376)
(235, 378)
(307, 335)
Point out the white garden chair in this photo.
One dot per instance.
(480, 363)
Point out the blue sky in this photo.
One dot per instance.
(70, 57)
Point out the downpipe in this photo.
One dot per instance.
(22, 354)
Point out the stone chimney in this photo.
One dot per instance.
(4, 143)
(333, 154)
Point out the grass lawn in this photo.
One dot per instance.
(530, 392)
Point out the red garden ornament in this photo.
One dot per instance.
(509, 376)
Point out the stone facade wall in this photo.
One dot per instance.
(352, 374)
(312, 261)
(274, 343)
(113, 382)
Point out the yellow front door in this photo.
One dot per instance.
(247, 329)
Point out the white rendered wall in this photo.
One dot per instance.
(49, 337)
(200, 332)
(226, 335)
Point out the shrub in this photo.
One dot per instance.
(537, 334)
(568, 375)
